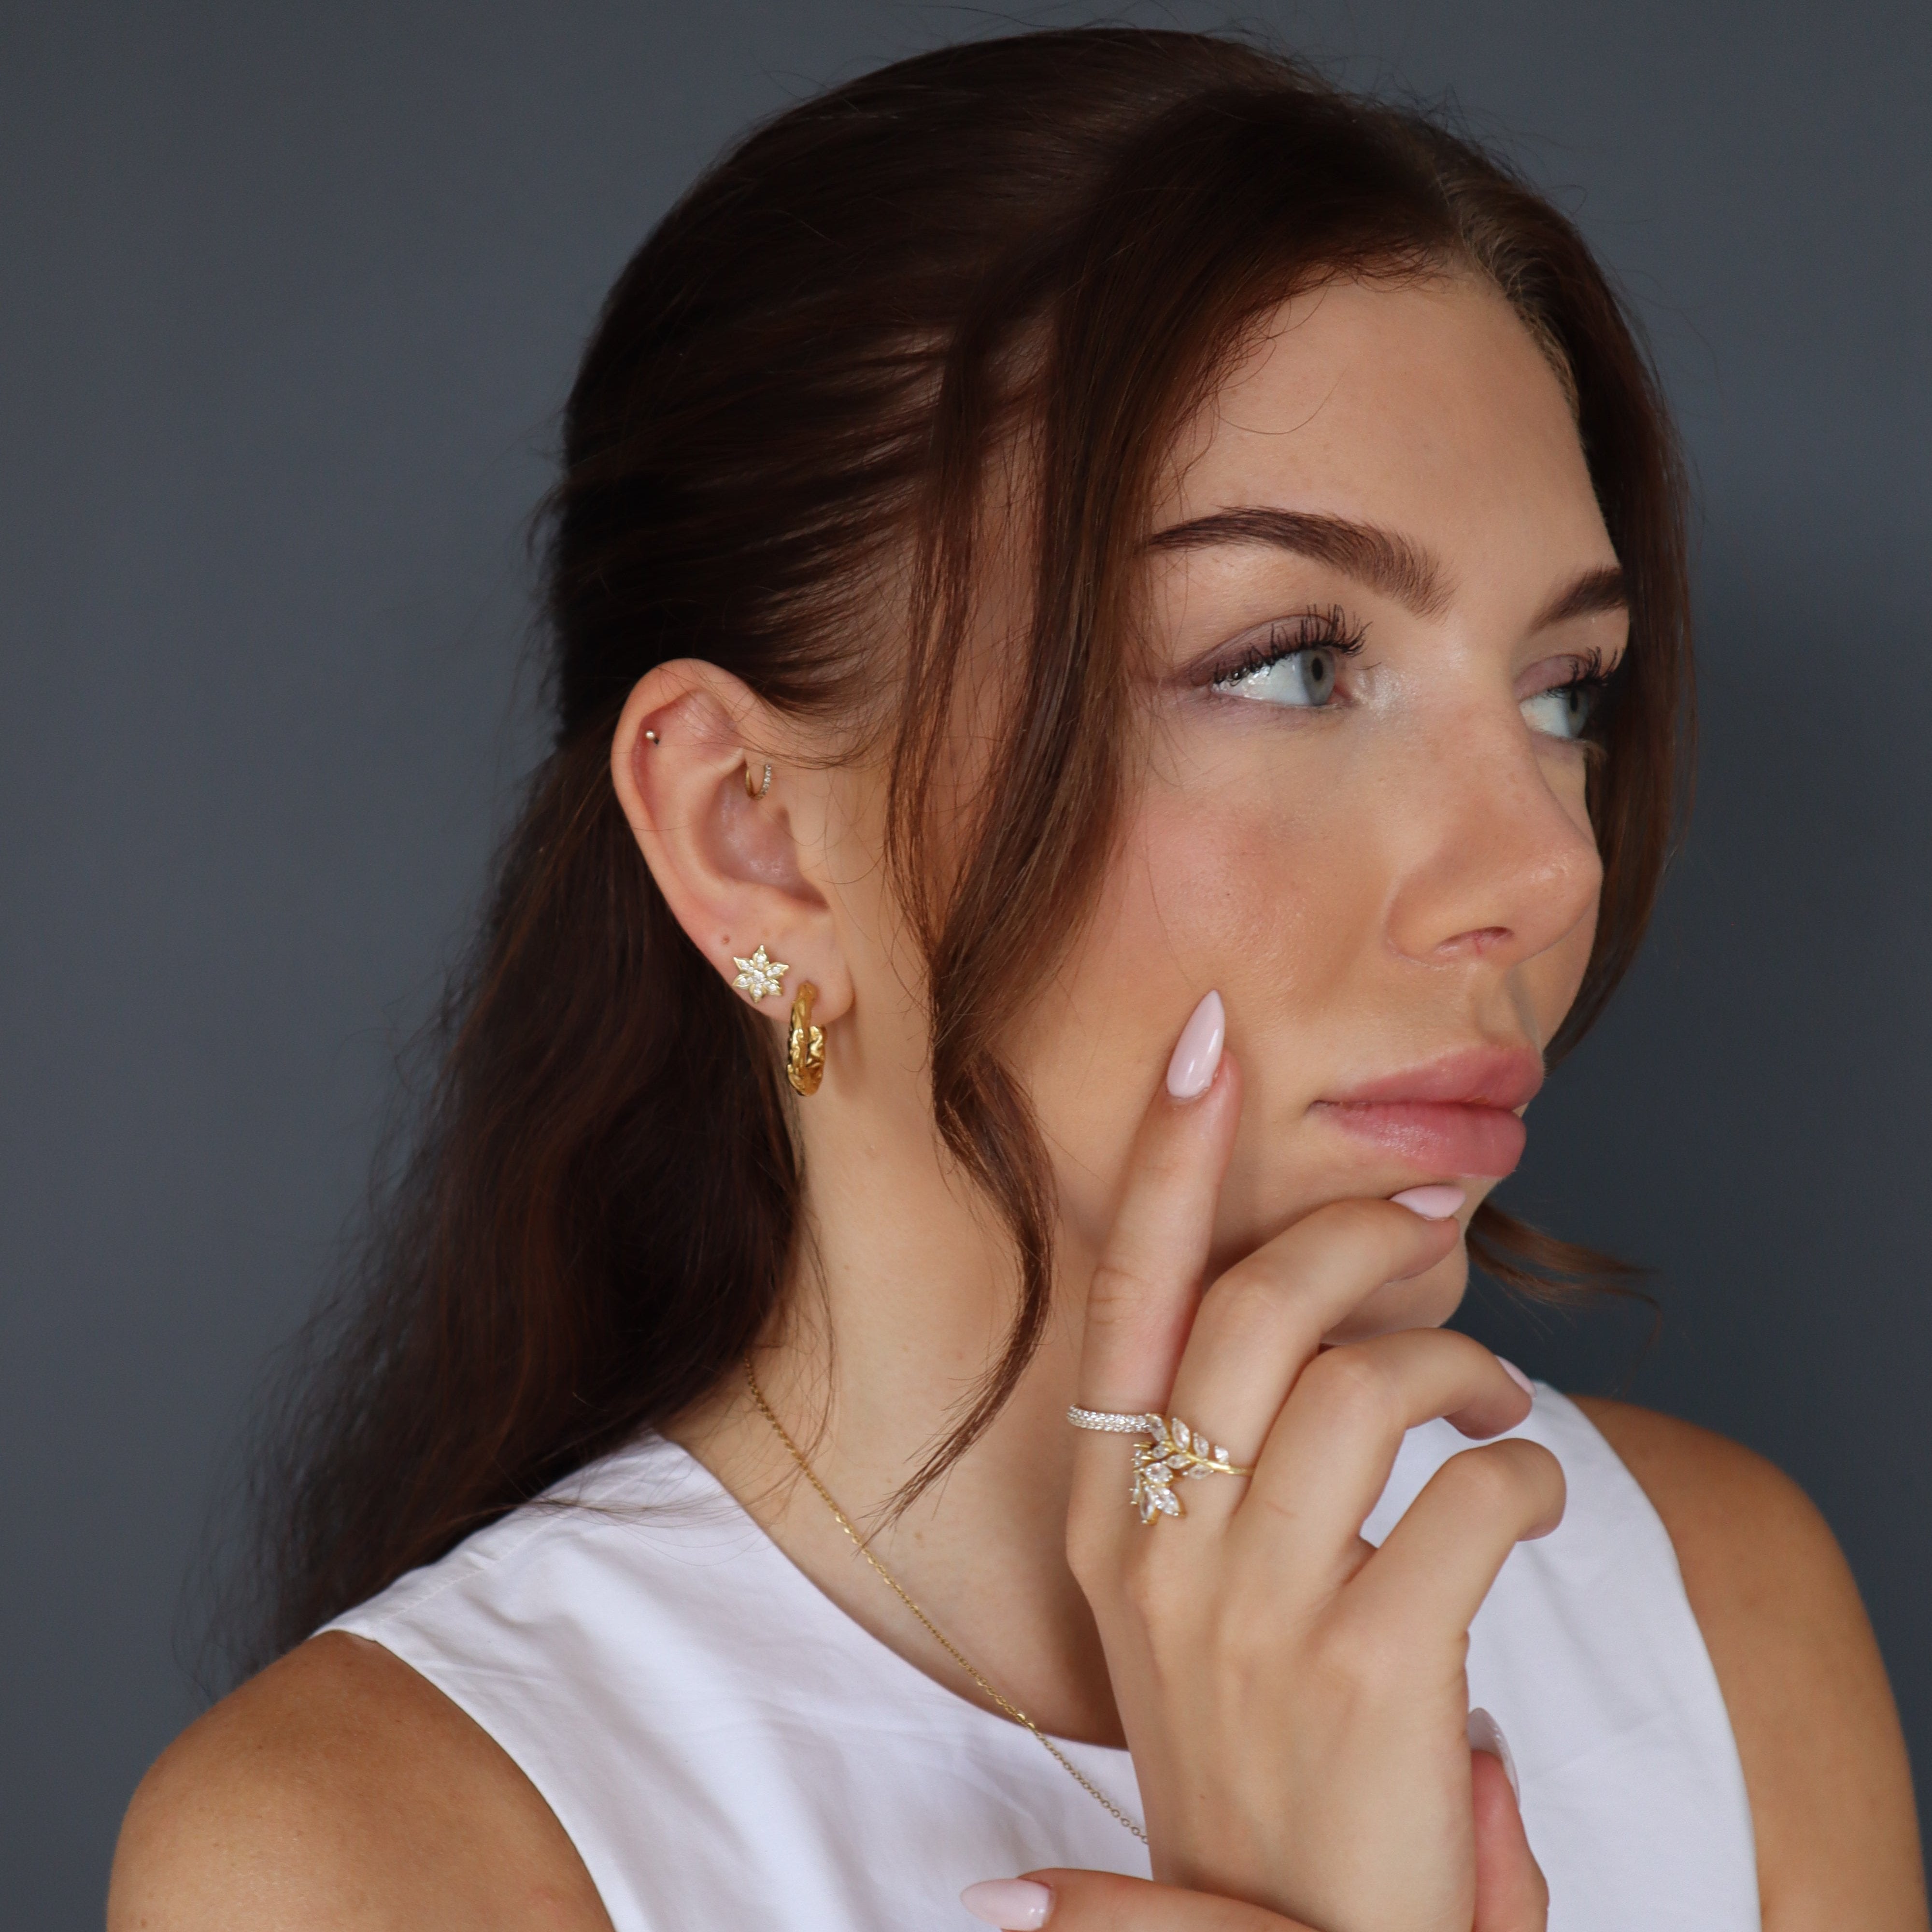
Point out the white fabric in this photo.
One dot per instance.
(730, 1753)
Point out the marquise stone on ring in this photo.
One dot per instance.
(1171, 1449)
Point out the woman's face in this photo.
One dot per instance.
(1379, 589)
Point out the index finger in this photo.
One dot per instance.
(1140, 1305)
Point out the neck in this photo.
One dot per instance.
(900, 1304)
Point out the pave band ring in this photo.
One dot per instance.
(1171, 1449)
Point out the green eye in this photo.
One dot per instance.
(1304, 679)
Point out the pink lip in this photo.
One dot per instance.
(1455, 1115)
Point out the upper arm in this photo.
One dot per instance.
(341, 1790)
(1818, 1734)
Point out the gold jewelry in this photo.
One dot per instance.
(1174, 1449)
(805, 1044)
(933, 1630)
(757, 791)
(759, 976)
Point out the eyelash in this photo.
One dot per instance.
(1330, 630)
(1313, 630)
(1593, 678)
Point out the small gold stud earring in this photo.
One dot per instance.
(759, 976)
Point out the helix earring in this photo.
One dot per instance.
(805, 1045)
(759, 976)
(757, 791)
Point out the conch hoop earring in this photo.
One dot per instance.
(805, 1044)
(757, 791)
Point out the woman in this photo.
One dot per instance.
(1121, 666)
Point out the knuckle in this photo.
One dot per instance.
(1246, 1303)
(1483, 1479)
(1249, 1631)
(1163, 1164)
(1506, 1479)
(1150, 1595)
(1353, 1384)
(1535, 1467)
(1125, 1303)
(1470, 1358)
(1358, 1655)
(1115, 1289)
(1551, 1486)
(1090, 1550)
(1359, 1239)
(1375, 1223)
(1165, 1168)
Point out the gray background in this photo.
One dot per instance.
(288, 298)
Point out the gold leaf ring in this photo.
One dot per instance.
(1170, 1449)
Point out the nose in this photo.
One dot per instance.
(1499, 861)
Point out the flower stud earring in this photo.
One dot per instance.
(759, 976)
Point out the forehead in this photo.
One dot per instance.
(1425, 409)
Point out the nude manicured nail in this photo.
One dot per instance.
(1486, 1734)
(1433, 1203)
(1517, 1376)
(1016, 1904)
(1190, 1072)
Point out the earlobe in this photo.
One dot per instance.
(732, 831)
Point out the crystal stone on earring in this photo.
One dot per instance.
(759, 977)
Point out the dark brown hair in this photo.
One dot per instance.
(776, 457)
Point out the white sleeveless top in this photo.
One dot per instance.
(730, 1752)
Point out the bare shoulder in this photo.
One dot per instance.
(1817, 1731)
(1728, 1509)
(340, 1789)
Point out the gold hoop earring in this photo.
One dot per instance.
(757, 791)
(805, 1044)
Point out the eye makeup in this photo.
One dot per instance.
(1572, 710)
(1291, 662)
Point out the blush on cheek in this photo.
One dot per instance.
(1242, 892)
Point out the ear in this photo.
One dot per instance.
(737, 871)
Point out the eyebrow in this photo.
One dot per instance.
(1384, 561)
(1380, 559)
(1599, 590)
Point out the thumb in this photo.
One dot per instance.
(1510, 1893)
(1080, 1901)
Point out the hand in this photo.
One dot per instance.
(1510, 1895)
(1295, 1700)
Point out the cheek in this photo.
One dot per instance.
(1551, 980)
(1210, 888)
(1268, 903)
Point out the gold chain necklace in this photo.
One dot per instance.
(938, 1635)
